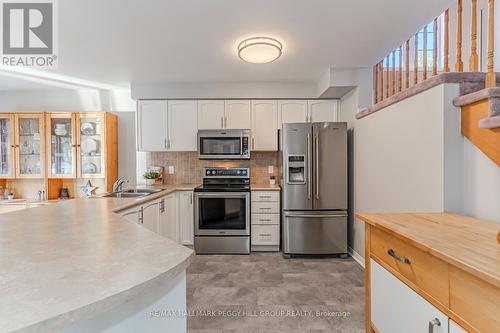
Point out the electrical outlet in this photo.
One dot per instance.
(171, 170)
(270, 169)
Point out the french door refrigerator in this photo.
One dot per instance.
(314, 188)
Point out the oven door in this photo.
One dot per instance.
(222, 213)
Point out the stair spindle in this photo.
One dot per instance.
(381, 73)
(400, 79)
(393, 72)
(446, 46)
(435, 48)
(415, 61)
(387, 79)
(474, 59)
(424, 54)
(459, 66)
(407, 64)
(490, 75)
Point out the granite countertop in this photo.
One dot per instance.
(265, 187)
(74, 259)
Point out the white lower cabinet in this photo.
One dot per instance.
(150, 215)
(171, 216)
(167, 226)
(265, 230)
(185, 217)
(395, 308)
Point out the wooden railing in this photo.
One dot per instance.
(388, 73)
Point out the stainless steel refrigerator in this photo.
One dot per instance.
(314, 188)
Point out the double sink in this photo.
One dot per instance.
(132, 193)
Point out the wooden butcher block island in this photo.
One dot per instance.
(431, 272)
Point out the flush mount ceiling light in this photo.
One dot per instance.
(259, 50)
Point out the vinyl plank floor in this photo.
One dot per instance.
(263, 292)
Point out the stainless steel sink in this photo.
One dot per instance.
(143, 190)
(124, 195)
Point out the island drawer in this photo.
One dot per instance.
(418, 269)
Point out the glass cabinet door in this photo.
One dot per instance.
(29, 146)
(61, 145)
(7, 145)
(91, 145)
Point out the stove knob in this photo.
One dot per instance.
(238, 172)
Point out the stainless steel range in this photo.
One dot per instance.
(222, 212)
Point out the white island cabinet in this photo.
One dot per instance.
(185, 217)
(167, 226)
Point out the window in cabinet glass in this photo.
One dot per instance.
(91, 154)
(61, 143)
(5, 147)
(29, 147)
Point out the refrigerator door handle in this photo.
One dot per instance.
(308, 166)
(317, 166)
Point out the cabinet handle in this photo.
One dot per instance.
(165, 143)
(141, 216)
(221, 122)
(253, 143)
(402, 260)
(433, 323)
(265, 197)
(191, 198)
(265, 220)
(225, 122)
(265, 208)
(265, 235)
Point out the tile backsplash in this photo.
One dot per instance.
(188, 168)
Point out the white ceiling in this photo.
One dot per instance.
(122, 41)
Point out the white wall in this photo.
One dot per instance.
(118, 102)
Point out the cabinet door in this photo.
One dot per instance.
(322, 110)
(132, 215)
(454, 328)
(61, 145)
(292, 111)
(265, 125)
(210, 114)
(7, 145)
(396, 308)
(167, 223)
(91, 145)
(182, 125)
(151, 215)
(30, 145)
(152, 126)
(186, 217)
(237, 114)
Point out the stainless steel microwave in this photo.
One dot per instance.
(233, 144)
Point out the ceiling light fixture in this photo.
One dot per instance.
(259, 50)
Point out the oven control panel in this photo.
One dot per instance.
(226, 172)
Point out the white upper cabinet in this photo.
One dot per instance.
(211, 114)
(264, 125)
(292, 111)
(152, 125)
(182, 125)
(322, 110)
(237, 114)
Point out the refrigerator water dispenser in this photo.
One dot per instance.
(296, 169)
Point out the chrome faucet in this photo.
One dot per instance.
(118, 184)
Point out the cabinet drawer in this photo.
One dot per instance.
(266, 235)
(265, 207)
(273, 196)
(421, 270)
(265, 219)
(395, 308)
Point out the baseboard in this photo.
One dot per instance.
(357, 257)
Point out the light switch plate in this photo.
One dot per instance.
(270, 169)
(171, 170)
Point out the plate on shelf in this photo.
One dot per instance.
(87, 128)
(89, 146)
(89, 167)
